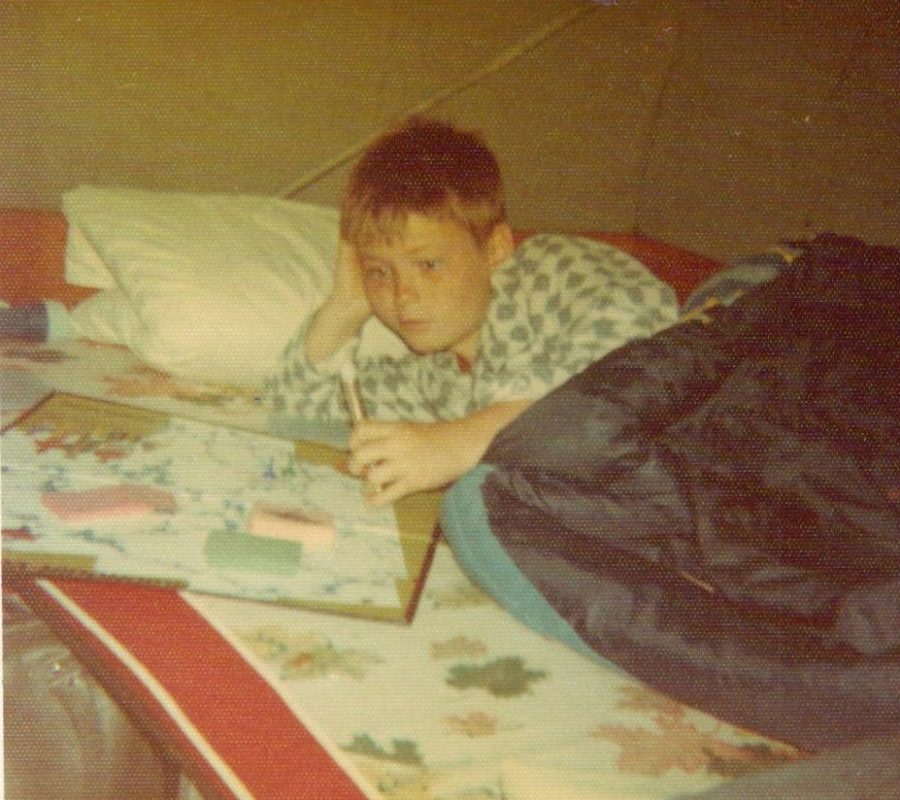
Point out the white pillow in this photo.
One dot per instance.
(204, 286)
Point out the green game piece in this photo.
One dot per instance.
(242, 551)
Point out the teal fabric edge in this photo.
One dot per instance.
(465, 525)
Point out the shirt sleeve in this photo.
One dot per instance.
(561, 303)
(387, 375)
(310, 391)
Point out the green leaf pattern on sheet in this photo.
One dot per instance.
(502, 677)
(403, 751)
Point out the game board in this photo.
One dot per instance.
(105, 489)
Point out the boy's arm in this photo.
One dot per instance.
(306, 382)
(342, 314)
(399, 458)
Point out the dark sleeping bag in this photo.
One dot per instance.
(716, 509)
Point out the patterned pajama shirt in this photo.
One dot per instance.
(559, 303)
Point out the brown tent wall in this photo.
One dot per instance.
(722, 126)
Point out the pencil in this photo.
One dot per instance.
(352, 397)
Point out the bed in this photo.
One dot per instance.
(258, 700)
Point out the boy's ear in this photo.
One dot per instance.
(500, 244)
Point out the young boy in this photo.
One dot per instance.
(452, 330)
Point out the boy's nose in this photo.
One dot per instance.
(406, 286)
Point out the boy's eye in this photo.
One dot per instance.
(429, 264)
(374, 270)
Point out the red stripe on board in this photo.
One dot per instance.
(241, 717)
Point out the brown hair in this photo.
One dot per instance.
(425, 167)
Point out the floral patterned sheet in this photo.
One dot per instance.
(467, 703)
(463, 704)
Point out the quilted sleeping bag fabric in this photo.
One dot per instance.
(717, 509)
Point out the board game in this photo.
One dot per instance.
(96, 488)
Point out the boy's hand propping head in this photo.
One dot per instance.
(348, 290)
(344, 311)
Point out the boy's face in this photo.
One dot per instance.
(432, 284)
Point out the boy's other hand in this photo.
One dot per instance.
(398, 458)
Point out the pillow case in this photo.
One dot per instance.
(206, 286)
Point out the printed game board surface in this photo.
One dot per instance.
(119, 491)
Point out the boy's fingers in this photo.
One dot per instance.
(383, 474)
(385, 482)
(365, 457)
(377, 497)
(368, 431)
(383, 495)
